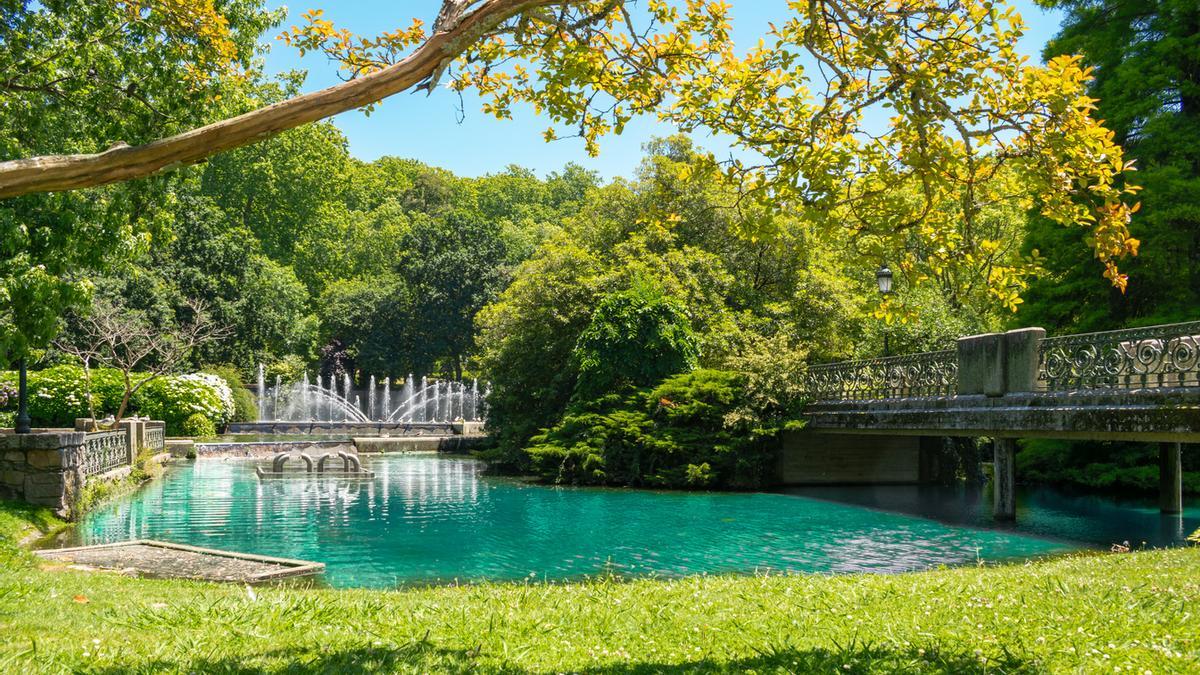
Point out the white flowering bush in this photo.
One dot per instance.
(57, 395)
(174, 398)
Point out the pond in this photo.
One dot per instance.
(436, 519)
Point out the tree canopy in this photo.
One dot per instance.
(963, 103)
(1144, 55)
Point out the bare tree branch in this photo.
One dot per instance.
(121, 338)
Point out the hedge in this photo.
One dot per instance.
(57, 396)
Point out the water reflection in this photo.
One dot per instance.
(1074, 516)
(429, 518)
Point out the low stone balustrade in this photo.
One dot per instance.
(50, 467)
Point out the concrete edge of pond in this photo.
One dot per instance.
(151, 557)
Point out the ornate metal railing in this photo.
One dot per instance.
(156, 436)
(104, 451)
(911, 376)
(1136, 358)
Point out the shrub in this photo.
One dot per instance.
(174, 398)
(245, 406)
(56, 396)
(679, 434)
(198, 425)
(8, 419)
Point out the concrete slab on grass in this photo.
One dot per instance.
(146, 557)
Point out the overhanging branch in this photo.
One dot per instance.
(51, 173)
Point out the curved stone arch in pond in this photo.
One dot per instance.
(350, 463)
(283, 457)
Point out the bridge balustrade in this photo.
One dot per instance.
(1154, 357)
(1137, 384)
(1136, 358)
(908, 376)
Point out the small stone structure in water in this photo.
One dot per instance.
(351, 467)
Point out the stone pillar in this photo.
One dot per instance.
(1004, 472)
(1170, 477)
(995, 364)
(1021, 359)
(981, 365)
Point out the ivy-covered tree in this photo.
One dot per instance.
(635, 338)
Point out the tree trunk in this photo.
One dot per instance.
(122, 162)
(124, 398)
(87, 391)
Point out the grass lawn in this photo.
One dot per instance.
(1135, 612)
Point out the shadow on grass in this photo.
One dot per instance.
(425, 657)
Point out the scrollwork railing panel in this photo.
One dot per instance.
(1136, 358)
(104, 451)
(930, 374)
(156, 438)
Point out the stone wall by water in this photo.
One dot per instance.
(49, 467)
(43, 468)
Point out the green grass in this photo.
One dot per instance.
(1086, 613)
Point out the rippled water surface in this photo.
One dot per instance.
(426, 518)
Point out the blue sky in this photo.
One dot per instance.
(428, 128)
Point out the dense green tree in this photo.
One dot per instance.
(275, 317)
(452, 266)
(80, 77)
(526, 336)
(371, 319)
(1146, 60)
(1146, 56)
(338, 243)
(275, 188)
(206, 256)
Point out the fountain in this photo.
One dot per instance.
(325, 399)
(262, 392)
(371, 412)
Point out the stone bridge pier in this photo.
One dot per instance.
(878, 421)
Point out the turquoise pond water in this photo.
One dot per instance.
(426, 518)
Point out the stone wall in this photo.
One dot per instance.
(271, 448)
(42, 468)
(49, 467)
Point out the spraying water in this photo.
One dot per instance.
(325, 399)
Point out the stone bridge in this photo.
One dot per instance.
(1141, 384)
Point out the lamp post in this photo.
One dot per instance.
(883, 277)
(23, 421)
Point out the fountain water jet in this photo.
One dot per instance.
(325, 399)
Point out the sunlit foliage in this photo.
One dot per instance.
(964, 108)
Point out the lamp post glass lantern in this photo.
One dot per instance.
(883, 277)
